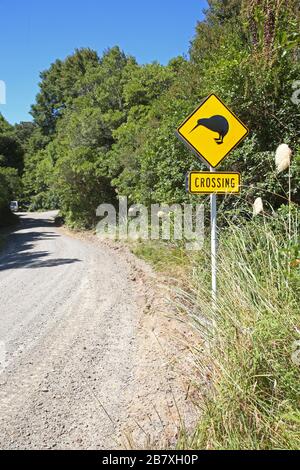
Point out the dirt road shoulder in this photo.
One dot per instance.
(161, 394)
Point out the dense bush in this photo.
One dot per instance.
(105, 125)
(11, 165)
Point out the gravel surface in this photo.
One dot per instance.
(68, 322)
(90, 357)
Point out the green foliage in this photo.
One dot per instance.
(145, 84)
(11, 165)
(4, 125)
(11, 151)
(60, 85)
(9, 187)
(109, 123)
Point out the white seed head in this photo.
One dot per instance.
(258, 206)
(283, 157)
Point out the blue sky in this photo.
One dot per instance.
(34, 33)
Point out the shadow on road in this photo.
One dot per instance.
(19, 251)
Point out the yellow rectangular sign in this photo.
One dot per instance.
(206, 182)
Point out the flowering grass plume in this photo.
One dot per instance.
(283, 157)
(258, 206)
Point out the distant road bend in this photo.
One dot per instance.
(68, 319)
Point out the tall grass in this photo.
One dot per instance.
(254, 393)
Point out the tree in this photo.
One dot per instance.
(11, 151)
(105, 125)
(11, 165)
(60, 85)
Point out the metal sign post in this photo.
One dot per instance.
(214, 183)
(211, 132)
(214, 242)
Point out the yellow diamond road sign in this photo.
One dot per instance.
(206, 182)
(212, 131)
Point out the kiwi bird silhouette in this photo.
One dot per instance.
(216, 124)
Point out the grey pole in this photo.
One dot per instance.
(213, 208)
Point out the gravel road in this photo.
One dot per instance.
(68, 320)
